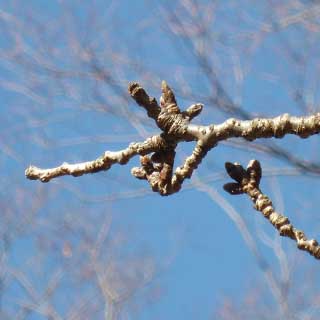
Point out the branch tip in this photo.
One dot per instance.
(167, 96)
(30, 173)
(263, 204)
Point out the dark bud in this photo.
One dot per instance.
(236, 171)
(233, 188)
(157, 157)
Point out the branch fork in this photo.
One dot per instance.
(158, 152)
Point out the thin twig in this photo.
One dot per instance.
(247, 181)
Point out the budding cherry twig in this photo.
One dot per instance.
(247, 181)
(158, 169)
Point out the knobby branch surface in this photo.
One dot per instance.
(247, 181)
(158, 152)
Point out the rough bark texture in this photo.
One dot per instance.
(247, 181)
(158, 169)
(175, 125)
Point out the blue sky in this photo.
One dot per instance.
(181, 257)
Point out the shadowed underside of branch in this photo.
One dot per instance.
(158, 152)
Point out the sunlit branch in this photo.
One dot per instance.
(247, 181)
(104, 162)
(176, 127)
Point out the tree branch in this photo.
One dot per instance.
(247, 181)
(176, 127)
(104, 162)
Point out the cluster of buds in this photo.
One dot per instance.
(158, 169)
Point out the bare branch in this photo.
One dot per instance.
(102, 163)
(176, 127)
(248, 182)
